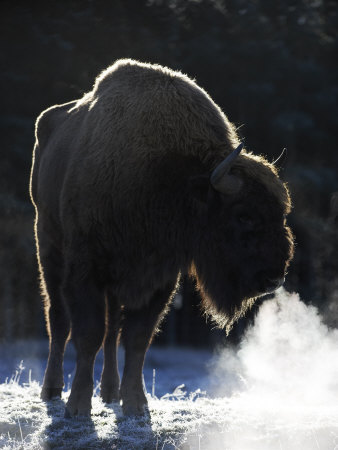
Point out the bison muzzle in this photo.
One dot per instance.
(142, 180)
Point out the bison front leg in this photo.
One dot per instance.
(137, 332)
(86, 305)
(110, 379)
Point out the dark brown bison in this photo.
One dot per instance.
(136, 183)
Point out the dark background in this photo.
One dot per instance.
(270, 65)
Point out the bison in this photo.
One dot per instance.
(140, 181)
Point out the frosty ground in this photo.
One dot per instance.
(278, 390)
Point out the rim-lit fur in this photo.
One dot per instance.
(121, 183)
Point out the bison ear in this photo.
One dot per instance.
(199, 187)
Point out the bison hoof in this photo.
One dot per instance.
(109, 396)
(50, 393)
(77, 406)
(135, 406)
(130, 409)
(75, 412)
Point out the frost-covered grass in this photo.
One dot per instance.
(178, 421)
(278, 391)
(27, 422)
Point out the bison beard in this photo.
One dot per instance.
(139, 181)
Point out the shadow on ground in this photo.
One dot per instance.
(107, 428)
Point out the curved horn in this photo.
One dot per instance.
(281, 158)
(220, 179)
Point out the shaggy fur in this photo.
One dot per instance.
(120, 182)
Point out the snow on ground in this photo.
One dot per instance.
(278, 390)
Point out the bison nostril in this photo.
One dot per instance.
(274, 283)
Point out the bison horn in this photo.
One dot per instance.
(281, 159)
(220, 178)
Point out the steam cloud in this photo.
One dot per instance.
(282, 383)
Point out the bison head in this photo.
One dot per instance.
(245, 246)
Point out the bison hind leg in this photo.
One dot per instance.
(110, 379)
(85, 300)
(57, 319)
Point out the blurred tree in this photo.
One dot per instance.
(272, 67)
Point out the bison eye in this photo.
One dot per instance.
(246, 219)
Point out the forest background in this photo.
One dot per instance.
(270, 65)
